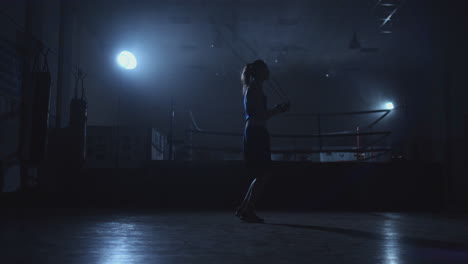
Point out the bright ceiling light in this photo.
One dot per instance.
(127, 60)
(389, 106)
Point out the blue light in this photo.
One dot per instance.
(389, 106)
(127, 60)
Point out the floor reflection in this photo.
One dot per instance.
(119, 243)
(391, 242)
(78, 237)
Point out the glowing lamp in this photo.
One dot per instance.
(127, 60)
(389, 106)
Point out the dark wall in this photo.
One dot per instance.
(455, 44)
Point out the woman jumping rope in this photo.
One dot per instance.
(256, 137)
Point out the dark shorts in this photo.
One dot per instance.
(257, 146)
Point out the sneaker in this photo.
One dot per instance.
(251, 218)
(239, 211)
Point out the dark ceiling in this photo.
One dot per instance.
(224, 34)
(198, 47)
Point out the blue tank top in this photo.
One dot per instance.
(255, 104)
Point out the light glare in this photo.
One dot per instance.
(389, 106)
(127, 60)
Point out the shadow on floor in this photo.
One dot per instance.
(419, 242)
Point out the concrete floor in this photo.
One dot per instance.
(118, 237)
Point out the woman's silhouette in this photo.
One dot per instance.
(256, 136)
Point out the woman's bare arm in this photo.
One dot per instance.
(278, 109)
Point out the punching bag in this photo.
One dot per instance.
(78, 123)
(40, 113)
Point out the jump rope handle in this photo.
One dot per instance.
(286, 106)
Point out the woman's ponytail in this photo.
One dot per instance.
(246, 76)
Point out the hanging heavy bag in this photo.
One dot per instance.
(78, 120)
(40, 112)
(78, 123)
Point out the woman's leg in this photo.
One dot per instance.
(246, 199)
(257, 155)
(255, 191)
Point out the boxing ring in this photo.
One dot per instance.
(362, 143)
